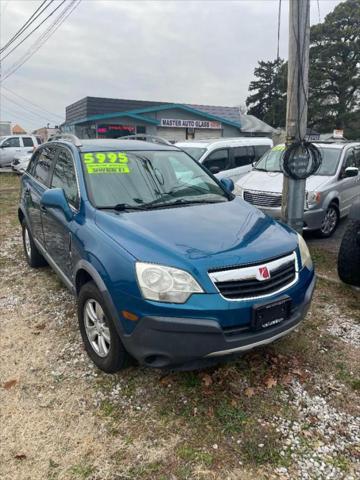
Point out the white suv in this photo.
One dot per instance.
(13, 145)
(227, 157)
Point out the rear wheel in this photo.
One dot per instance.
(330, 221)
(349, 254)
(99, 335)
(32, 254)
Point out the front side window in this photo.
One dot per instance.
(42, 163)
(243, 156)
(217, 161)
(64, 177)
(147, 179)
(350, 160)
(12, 142)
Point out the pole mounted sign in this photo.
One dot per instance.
(179, 123)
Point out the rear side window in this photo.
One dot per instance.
(39, 140)
(12, 142)
(41, 164)
(217, 161)
(28, 142)
(243, 156)
(260, 150)
(64, 177)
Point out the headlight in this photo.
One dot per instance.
(304, 253)
(312, 198)
(165, 284)
(238, 191)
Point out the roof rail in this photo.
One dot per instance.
(66, 136)
(147, 138)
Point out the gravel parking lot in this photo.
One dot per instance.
(288, 411)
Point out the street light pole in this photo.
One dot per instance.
(293, 198)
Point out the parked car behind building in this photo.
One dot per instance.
(330, 193)
(155, 276)
(227, 157)
(12, 145)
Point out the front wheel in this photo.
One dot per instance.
(330, 222)
(32, 254)
(101, 340)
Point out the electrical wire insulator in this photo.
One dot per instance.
(300, 160)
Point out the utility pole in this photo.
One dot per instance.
(293, 197)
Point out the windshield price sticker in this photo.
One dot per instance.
(278, 148)
(106, 162)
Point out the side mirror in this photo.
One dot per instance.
(55, 198)
(214, 170)
(351, 172)
(228, 184)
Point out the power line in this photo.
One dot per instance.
(43, 38)
(27, 24)
(34, 30)
(32, 103)
(26, 109)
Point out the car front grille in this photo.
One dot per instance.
(263, 199)
(247, 283)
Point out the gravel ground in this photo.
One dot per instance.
(289, 411)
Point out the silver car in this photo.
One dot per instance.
(329, 194)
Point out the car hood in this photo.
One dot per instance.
(273, 181)
(196, 236)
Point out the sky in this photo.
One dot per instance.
(185, 51)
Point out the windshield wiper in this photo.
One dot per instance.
(120, 207)
(180, 202)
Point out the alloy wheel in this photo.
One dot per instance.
(27, 242)
(96, 328)
(330, 221)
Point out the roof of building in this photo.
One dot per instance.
(17, 129)
(104, 145)
(97, 108)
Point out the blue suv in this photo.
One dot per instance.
(167, 265)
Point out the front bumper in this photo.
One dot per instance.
(165, 342)
(312, 218)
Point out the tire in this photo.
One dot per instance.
(349, 254)
(101, 340)
(330, 221)
(32, 254)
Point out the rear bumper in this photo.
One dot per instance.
(173, 342)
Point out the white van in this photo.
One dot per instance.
(227, 157)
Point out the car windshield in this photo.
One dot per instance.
(147, 179)
(271, 160)
(194, 152)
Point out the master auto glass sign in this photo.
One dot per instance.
(179, 123)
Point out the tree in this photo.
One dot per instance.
(334, 96)
(268, 103)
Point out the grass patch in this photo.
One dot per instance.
(190, 454)
(261, 445)
(82, 471)
(231, 417)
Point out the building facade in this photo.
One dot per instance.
(94, 117)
